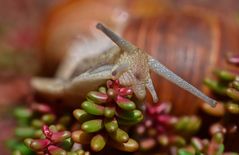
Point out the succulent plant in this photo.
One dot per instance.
(199, 146)
(53, 143)
(162, 129)
(164, 133)
(226, 87)
(104, 117)
(29, 123)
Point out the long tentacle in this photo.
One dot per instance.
(160, 69)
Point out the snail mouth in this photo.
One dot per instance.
(138, 76)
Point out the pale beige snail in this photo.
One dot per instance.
(131, 66)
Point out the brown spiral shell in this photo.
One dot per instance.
(190, 38)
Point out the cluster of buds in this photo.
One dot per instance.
(104, 118)
(226, 87)
(29, 125)
(160, 128)
(199, 146)
(53, 142)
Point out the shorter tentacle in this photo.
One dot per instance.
(150, 87)
(119, 70)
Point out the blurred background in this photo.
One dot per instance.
(189, 37)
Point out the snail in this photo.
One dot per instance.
(131, 67)
(189, 38)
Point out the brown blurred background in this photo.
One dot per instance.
(190, 37)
